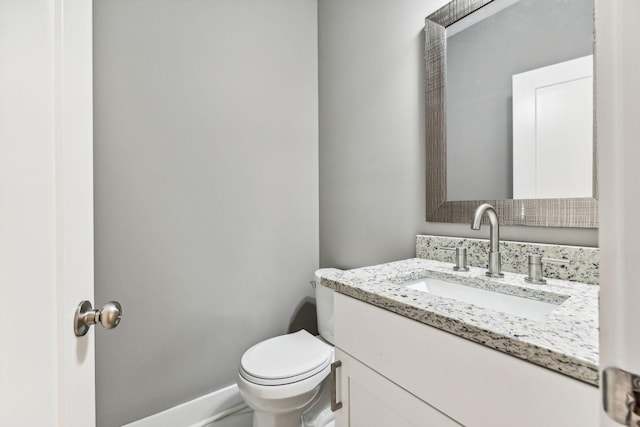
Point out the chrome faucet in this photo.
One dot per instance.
(494, 237)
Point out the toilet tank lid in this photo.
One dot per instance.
(324, 271)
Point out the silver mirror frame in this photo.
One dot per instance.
(570, 212)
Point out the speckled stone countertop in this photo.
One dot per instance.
(565, 340)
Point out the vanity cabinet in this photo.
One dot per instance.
(396, 372)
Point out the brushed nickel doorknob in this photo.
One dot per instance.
(109, 317)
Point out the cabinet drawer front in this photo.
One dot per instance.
(471, 383)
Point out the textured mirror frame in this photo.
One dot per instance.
(571, 212)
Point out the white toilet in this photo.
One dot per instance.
(282, 377)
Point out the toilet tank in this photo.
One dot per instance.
(324, 305)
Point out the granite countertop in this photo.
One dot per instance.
(565, 340)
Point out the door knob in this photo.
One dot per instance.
(108, 317)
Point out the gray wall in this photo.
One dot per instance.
(372, 133)
(206, 189)
(480, 63)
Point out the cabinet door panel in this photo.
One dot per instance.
(371, 400)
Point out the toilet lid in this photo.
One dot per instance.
(285, 359)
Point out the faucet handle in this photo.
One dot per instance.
(461, 258)
(556, 261)
(535, 270)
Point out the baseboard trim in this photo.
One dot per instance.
(197, 412)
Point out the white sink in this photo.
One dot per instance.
(519, 306)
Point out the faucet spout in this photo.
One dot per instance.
(494, 237)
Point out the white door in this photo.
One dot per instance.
(618, 128)
(46, 212)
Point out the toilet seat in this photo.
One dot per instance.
(285, 359)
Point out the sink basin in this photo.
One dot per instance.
(518, 306)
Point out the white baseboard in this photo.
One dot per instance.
(197, 412)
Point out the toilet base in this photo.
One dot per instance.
(286, 412)
(269, 419)
(316, 413)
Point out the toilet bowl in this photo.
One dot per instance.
(281, 378)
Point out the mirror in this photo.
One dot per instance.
(510, 122)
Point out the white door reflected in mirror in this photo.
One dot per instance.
(553, 131)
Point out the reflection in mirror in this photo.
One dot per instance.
(509, 112)
(488, 57)
(553, 131)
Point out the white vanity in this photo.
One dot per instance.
(417, 359)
